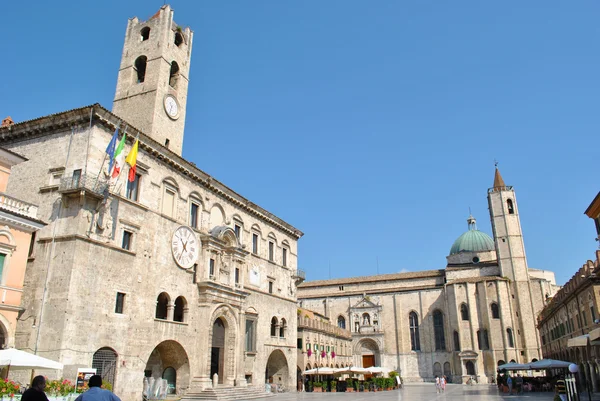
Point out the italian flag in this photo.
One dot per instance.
(119, 156)
(131, 160)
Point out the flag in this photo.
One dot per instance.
(110, 150)
(119, 156)
(131, 160)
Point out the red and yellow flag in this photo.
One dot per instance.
(131, 160)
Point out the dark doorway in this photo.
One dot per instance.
(217, 354)
(470, 368)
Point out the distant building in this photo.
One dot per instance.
(18, 225)
(320, 335)
(570, 323)
(462, 321)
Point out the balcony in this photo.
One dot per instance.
(18, 206)
(84, 184)
(299, 276)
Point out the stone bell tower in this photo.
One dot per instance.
(153, 78)
(510, 250)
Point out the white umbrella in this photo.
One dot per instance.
(376, 370)
(319, 371)
(17, 359)
(549, 364)
(360, 371)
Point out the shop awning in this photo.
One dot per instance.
(595, 335)
(581, 341)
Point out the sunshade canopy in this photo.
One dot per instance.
(549, 364)
(18, 359)
(515, 366)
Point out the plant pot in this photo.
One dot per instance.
(318, 390)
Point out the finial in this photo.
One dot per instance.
(471, 222)
(495, 163)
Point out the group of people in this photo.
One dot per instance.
(518, 384)
(440, 383)
(95, 392)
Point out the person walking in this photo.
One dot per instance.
(36, 391)
(443, 383)
(437, 384)
(96, 393)
(509, 383)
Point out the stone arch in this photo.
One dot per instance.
(368, 349)
(104, 361)
(447, 370)
(10, 239)
(217, 216)
(276, 370)
(437, 369)
(162, 306)
(225, 234)
(170, 353)
(181, 309)
(228, 317)
(7, 334)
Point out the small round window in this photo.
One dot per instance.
(475, 259)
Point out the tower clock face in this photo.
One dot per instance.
(171, 106)
(185, 247)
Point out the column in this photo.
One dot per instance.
(170, 310)
(240, 379)
(593, 376)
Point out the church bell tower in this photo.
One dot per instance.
(510, 252)
(153, 78)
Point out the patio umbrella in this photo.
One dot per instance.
(378, 370)
(549, 364)
(515, 366)
(319, 371)
(21, 360)
(360, 371)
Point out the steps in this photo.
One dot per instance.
(228, 393)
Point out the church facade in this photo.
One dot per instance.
(169, 275)
(461, 321)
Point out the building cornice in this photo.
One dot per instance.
(44, 125)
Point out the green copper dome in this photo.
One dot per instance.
(473, 240)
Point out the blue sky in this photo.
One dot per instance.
(371, 126)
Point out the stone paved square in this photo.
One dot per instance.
(423, 392)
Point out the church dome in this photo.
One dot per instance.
(473, 240)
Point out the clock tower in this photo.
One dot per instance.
(153, 78)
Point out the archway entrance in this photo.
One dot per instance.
(277, 369)
(369, 351)
(217, 351)
(169, 361)
(470, 368)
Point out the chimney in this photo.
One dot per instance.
(7, 122)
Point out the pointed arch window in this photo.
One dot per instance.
(495, 310)
(511, 339)
(162, 305)
(178, 39)
(413, 322)
(456, 341)
(180, 311)
(282, 328)
(274, 324)
(464, 312)
(438, 330)
(511, 208)
(174, 75)
(140, 68)
(341, 322)
(145, 34)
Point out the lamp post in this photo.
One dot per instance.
(570, 384)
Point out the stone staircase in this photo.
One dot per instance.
(228, 393)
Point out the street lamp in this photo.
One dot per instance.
(570, 384)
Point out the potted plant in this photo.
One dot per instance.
(317, 387)
(349, 385)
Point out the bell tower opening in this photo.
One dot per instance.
(153, 78)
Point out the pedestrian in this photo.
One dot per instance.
(36, 391)
(443, 383)
(561, 388)
(519, 383)
(509, 383)
(437, 384)
(96, 393)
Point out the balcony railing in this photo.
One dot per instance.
(86, 183)
(306, 322)
(299, 276)
(18, 206)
